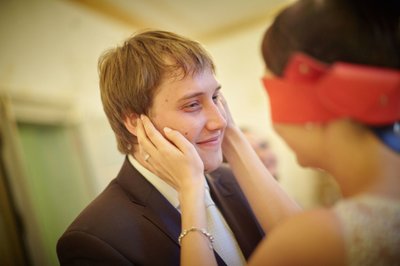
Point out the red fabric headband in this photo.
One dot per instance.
(311, 91)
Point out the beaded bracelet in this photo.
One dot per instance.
(201, 230)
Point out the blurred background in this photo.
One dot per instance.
(57, 149)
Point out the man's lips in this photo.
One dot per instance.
(209, 140)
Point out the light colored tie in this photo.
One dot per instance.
(224, 242)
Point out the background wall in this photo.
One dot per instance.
(48, 73)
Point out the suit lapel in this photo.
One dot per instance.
(156, 208)
(163, 215)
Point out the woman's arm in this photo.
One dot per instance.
(181, 166)
(270, 203)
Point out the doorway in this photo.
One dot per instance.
(49, 183)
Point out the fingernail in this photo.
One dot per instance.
(167, 130)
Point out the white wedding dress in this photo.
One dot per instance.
(372, 228)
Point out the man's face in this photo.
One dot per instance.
(190, 106)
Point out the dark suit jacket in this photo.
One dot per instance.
(131, 223)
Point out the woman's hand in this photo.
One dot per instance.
(173, 157)
(176, 160)
(227, 113)
(231, 130)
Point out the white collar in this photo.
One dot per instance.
(163, 187)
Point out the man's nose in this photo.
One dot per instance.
(215, 118)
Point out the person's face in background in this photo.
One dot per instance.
(268, 158)
(264, 152)
(190, 106)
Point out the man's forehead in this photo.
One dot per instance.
(181, 87)
(179, 74)
(176, 72)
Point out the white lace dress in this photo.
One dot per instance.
(372, 227)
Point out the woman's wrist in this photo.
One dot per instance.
(192, 191)
(231, 136)
(192, 206)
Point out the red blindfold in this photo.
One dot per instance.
(311, 91)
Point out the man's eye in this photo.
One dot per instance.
(192, 106)
(215, 98)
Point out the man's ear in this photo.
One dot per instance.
(131, 123)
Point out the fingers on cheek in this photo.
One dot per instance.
(140, 139)
(221, 106)
(140, 133)
(146, 124)
(169, 133)
(141, 150)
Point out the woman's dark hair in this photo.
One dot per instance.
(355, 31)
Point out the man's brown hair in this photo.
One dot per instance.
(130, 74)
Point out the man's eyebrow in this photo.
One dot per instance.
(218, 88)
(195, 94)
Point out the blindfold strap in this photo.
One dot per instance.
(311, 91)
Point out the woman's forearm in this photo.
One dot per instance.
(270, 203)
(196, 246)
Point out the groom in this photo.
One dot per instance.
(136, 219)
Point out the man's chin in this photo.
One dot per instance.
(211, 159)
(211, 166)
